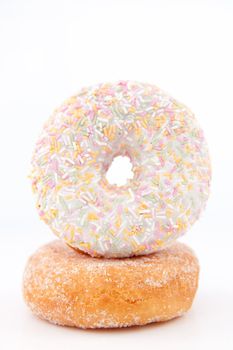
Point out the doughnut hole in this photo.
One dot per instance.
(120, 171)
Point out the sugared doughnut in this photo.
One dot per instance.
(170, 163)
(67, 287)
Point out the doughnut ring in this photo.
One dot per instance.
(59, 283)
(170, 162)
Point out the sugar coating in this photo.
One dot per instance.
(68, 287)
(170, 163)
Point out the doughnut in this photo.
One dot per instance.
(68, 287)
(170, 163)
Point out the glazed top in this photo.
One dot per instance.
(170, 163)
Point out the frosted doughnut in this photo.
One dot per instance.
(59, 284)
(170, 162)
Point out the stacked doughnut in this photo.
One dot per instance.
(124, 257)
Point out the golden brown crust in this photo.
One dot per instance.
(68, 287)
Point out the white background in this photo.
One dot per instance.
(48, 50)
